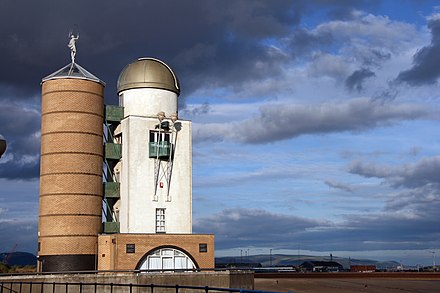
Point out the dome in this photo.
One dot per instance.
(148, 73)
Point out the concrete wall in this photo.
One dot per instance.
(138, 201)
(226, 279)
(148, 101)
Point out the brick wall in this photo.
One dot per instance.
(112, 249)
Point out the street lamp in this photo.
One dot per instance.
(3, 145)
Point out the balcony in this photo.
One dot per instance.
(114, 113)
(111, 190)
(113, 151)
(110, 227)
(161, 149)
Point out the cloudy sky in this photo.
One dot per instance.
(315, 123)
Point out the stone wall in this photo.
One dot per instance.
(224, 279)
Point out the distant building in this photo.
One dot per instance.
(321, 266)
(362, 269)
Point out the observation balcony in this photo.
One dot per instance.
(111, 190)
(114, 113)
(110, 227)
(113, 151)
(161, 149)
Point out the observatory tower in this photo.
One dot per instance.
(153, 209)
(72, 112)
(156, 151)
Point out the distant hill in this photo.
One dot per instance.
(19, 258)
(296, 260)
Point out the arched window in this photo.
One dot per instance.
(167, 259)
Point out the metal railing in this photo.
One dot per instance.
(73, 287)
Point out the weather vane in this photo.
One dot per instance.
(74, 36)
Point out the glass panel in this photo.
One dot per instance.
(167, 251)
(167, 258)
(154, 263)
(167, 263)
(180, 262)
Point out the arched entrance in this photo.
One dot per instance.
(166, 258)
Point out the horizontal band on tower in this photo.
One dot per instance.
(70, 236)
(64, 193)
(71, 173)
(71, 215)
(71, 91)
(81, 112)
(82, 132)
(71, 153)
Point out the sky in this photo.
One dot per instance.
(315, 122)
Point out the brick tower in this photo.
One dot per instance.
(71, 170)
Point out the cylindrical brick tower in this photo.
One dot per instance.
(72, 113)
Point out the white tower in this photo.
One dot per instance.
(155, 171)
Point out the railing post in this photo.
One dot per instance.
(30, 287)
(152, 286)
(111, 287)
(53, 287)
(80, 287)
(96, 285)
(21, 286)
(1, 287)
(177, 288)
(206, 289)
(42, 287)
(67, 287)
(131, 287)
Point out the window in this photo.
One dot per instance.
(159, 146)
(167, 259)
(160, 221)
(156, 136)
(130, 248)
(203, 247)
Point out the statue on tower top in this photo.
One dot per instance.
(72, 45)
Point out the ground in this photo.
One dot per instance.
(348, 285)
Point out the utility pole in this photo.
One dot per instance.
(270, 255)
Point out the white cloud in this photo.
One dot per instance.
(280, 121)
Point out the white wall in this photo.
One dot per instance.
(138, 204)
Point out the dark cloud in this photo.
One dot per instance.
(302, 41)
(425, 69)
(281, 122)
(20, 232)
(338, 185)
(235, 228)
(20, 125)
(422, 173)
(113, 33)
(245, 227)
(200, 110)
(356, 79)
(417, 196)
